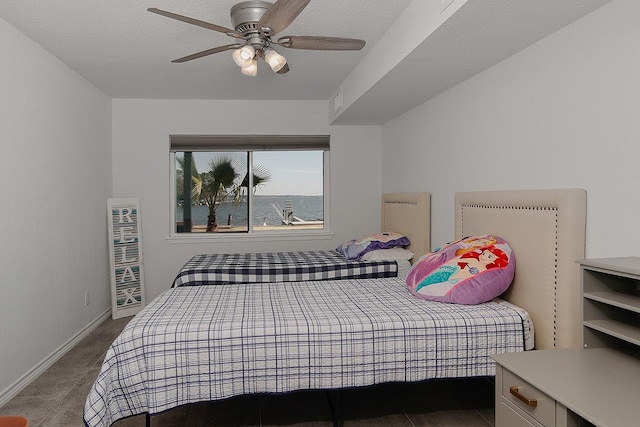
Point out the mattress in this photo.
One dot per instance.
(202, 343)
(212, 269)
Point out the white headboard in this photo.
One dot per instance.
(409, 214)
(546, 229)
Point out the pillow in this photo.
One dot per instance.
(472, 270)
(393, 254)
(356, 248)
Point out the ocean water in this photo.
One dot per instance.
(308, 208)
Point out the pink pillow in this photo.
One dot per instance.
(472, 270)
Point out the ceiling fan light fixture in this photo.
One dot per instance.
(244, 56)
(274, 59)
(252, 69)
(255, 22)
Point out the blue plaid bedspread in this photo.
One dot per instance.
(215, 269)
(202, 343)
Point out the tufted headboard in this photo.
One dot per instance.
(546, 229)
(409, 214)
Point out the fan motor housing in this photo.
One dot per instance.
(245, 15)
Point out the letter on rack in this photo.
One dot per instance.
(127, 287)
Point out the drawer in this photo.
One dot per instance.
(517, 391)
(509, 417)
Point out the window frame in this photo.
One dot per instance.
(249, 143)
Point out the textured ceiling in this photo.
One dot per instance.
(126, 51)
(414, 49)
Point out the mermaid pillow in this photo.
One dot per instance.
(471, 270)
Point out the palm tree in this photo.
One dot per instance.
(261, 175)
(222, 181)
(217, 185)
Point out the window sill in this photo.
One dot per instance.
(262, 236)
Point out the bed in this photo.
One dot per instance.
(407, 214)
(202, 343)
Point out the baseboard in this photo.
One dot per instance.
(10, 392)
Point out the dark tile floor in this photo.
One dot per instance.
(56, 398)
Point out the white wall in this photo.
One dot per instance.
(561, 113)
(55, 177)
(141, 166)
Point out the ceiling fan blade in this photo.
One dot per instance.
(193, 21)
(207, 53)
(320, 43)
(281, 15)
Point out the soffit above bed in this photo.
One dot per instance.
(444, 49)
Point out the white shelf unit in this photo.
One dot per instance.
(611, 302)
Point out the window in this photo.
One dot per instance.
(249, 184)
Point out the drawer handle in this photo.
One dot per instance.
(529, 402)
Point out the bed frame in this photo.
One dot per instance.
(409, 214)
(546, 229)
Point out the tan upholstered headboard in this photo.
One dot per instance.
(546, 229)
(409, 214)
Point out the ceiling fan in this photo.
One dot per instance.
(255, 23)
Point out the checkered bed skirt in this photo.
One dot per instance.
(203, 343)
(215, 269)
